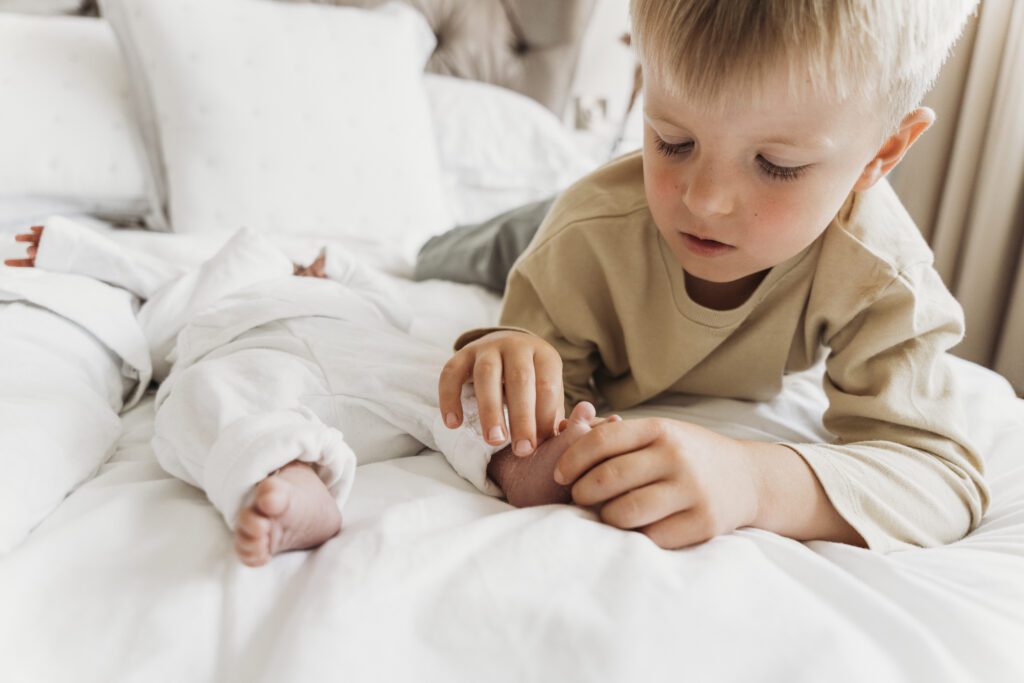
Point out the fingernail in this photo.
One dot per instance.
(522, 447)
(496, 434)
(559, 477)
(451, 420)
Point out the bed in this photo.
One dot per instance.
(123, 573)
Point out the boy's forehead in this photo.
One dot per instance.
(774, 113)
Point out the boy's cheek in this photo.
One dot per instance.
(663, 190)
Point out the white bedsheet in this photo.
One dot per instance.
(133, 577)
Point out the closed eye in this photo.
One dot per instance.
(672, 150)
(780, 172)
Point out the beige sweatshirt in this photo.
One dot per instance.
(599, 283)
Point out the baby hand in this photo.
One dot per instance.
(314, 269)
(508, 366)
(32, 238)
(675, 482)
(530, 481)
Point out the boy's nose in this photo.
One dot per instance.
(706, 193)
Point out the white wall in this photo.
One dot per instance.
(605, 73)
(605, 68)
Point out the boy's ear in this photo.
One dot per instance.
(892, 150)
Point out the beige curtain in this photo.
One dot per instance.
(963, 183)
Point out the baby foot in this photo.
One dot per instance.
(530, 481)
(290, 510)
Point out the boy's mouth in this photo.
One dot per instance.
(705, 247)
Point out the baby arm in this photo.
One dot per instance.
(32, 237)
(64, 246)
(530, 480)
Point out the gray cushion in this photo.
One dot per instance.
(482, 254)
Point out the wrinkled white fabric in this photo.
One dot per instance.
(304, 369)
(61, 390)
(468, 588)
(270, 368)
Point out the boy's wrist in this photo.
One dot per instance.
(757, 462)
(791, 501)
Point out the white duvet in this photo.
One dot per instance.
(70, 354)
(133, 578)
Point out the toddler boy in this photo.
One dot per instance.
(752, 234)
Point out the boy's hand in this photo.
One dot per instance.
(516, 367)
(675, 482)
(32, 238)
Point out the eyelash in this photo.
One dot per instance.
(774, 172)
(672, 150)
(780, 172)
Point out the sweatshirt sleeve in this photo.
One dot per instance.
(901, 470)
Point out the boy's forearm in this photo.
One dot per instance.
(793, 502)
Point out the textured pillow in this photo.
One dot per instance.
(67, 133)
(285, 118)
(500, 149)
(482, 254)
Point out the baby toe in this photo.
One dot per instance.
(253, 524)
(272, 499)
(247, 550)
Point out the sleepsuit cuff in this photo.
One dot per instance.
(251, 448)
(465, 447)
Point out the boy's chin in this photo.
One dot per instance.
(721, 275)
(717, 273)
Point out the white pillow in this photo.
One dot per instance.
(67, 132)
(500, 149)
(286, 118)
(41, 6)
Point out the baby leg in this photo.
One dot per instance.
(392, 376)
(238, 425)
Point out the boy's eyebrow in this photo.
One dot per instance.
(651, 115)
(812, 141)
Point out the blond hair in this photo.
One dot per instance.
(890, 50)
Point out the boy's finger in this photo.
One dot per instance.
(454, 374)
(19, 262)
(644, 505)
(487, 374)
(521, 394)
(26, 238)
(619, 475)
(32, 251)
(602, 443)
(550, 397)
(680, 530)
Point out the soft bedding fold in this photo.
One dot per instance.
(430, 580)
(61, 390)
